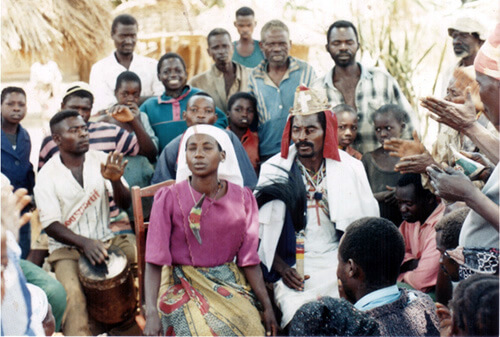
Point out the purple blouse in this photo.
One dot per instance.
(229, 228)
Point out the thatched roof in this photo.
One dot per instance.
(40, 30)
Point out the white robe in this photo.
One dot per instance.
(349, 198)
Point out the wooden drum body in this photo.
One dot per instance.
(109, 288)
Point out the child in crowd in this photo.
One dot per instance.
(165, 112)
(242, 112)
(447, 234)
(347, 120)
(389, 122)
(16, 149)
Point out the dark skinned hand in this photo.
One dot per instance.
(457, 116)
(95, 251)
(121, 113)
(450, 184)
(404, 147)
(414, 164)
(481, 159)
(114, 167)
(292, 279)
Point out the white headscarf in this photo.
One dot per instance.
(39, 303)
(229, 169)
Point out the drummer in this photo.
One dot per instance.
(72, 194)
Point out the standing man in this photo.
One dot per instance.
(273, 83)
(71, 194)
(364, 88)
(104, 72)
(246, 50)
(226, 77)
(330, 189)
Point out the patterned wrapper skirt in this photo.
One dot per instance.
(215, 301)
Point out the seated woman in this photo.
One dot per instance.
(199, 227)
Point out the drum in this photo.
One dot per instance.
(108, 287)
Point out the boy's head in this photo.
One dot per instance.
(13, 105)
(347, 120)
(245, 22)
(241, 110)
(389, 121)
(370, 255)
(447, 234)
(172, 71)
(70, 132)
(128, 88)
(415, 202)
(79, 97)
(200, 109)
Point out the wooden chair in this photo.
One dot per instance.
(141, 229)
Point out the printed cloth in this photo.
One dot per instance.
(215, 301)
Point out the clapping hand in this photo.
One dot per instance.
(404, 147)
(114, 167)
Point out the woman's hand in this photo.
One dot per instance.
(457, 116)
(270, 322)
(153, 325)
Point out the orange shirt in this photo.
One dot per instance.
(250, 142)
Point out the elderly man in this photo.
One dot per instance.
(226, 77)
(468, 35)
(104, 72)
(273, 83)
(330, 190)
(369, 259)
(479, 240)
(363, 88)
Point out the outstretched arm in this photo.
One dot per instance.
(453, 185)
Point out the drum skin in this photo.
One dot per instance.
(109, 288)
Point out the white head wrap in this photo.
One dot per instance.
(468, 24)
(228, 170)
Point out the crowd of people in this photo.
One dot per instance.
(299, 205)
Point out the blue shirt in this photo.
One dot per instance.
(252, 60)
(378, 298)
(165, 115)
(16, 163)
(274, 102)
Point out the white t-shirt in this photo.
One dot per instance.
(104, 73)
(84, 210)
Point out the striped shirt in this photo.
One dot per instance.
(375, 88)
(274, 102)
(103, 136)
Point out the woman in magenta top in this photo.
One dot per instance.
(206, 228)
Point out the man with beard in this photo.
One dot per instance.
(226, 77)
(468, 36)
(363, 88)
(420, 212)
(104, 72)
(335, 192)
(273, 83)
